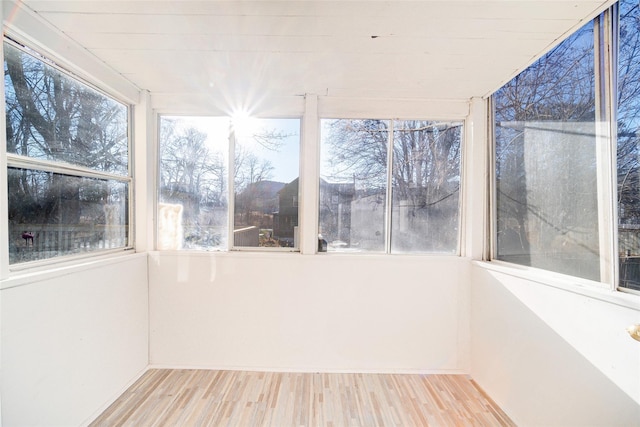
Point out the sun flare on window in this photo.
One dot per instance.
(243, 124)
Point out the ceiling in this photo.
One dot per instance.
(362, 49)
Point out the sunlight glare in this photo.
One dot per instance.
(243, 124)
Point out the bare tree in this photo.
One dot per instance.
(358, 151)
(249, 169)
(628, 154)
(424, 182)
(560, 88)
(193, 174)
(51, 116)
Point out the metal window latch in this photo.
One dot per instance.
(634, 331)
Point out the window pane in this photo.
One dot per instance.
(52, 116)
(546, 162)
(193, 208)
(267, 166)
(53, 214)
(426, 184)
(629, 145)
(353, 182)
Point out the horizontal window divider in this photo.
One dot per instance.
(23, 162)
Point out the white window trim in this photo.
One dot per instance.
(309, 194)
(63, 267)
(388, 208)
(605, 150)
(576, 285)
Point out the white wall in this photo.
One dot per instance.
(550, 357)
(72, 340)
(309, 313)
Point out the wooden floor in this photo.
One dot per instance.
(164, 397)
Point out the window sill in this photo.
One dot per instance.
(281, 253)
(54, 270)
(590, 289)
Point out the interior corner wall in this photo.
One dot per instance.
(291, 312)
(72, 340)
(552, 357)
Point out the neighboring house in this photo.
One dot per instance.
(256, 204)
(285, 220)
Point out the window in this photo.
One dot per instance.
(67, 155)
(628, 144)
(546, 162)
(553, 148)
(390, 186)
(195, 211)
(193, 194)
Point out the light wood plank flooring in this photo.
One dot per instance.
(181, 397)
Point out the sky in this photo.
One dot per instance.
(286, 160)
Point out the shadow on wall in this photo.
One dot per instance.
(536, 375)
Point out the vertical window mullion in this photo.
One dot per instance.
(130, 171)
(612, 36)
(389, 192)
(614, 57)
(605, 154)
(231, 186)
(491, 246)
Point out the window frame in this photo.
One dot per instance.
(606, 34)
(12, 160)
(230, 183)
(493, 186)
(232, 196)
(388, 217)
(612, 36)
